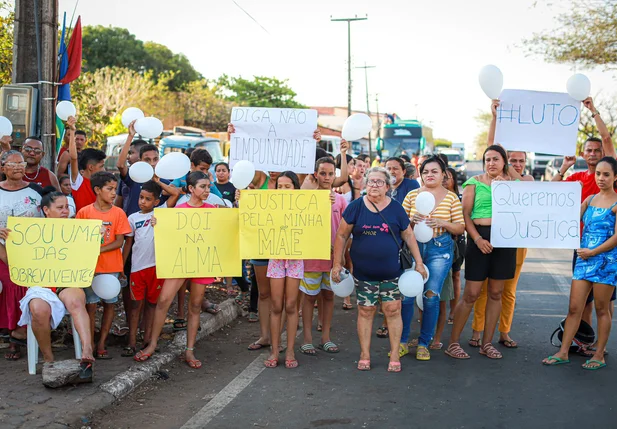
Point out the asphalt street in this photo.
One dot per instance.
(233, 390)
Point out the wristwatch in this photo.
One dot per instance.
(594, 114)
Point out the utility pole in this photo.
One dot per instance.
(349, 21)
(368, 107)
(35, 63)
(377, 113)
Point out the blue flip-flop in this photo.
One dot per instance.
(600, 365)
(558, 361)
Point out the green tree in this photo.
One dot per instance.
(586, 35)
(204, 108)
(262, 91)
(111, 47)
(7, 16)
(160, 59)
(483, 119)
(117, 47)
(442, 143)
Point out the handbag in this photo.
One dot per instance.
(584, 337)
(404, 253)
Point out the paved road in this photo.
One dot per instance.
(234, 391)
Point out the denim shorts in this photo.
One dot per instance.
(260, 262)
(92, 298)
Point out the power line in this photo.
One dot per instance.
(249, 15)
(368, 107)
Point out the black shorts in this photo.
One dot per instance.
(458, 262)
(500, 264)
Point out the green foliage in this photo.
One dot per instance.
(260, 92)
(204, 108)
(586, 35)
(7, 17)
(117, 47)
(483, 119)
(442, 143)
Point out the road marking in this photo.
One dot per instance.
(558, 278)
(231, 391)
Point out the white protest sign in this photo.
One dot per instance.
(274, 139)
(534, 121)
(537, 215)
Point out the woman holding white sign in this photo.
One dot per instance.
(596, 266)
(445, 219)
(482, 259)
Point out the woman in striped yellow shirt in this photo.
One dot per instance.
(446, 219)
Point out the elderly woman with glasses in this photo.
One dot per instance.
(379, 226)
(21, 199)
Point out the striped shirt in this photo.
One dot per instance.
(449, 209)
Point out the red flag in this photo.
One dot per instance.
(74, 53)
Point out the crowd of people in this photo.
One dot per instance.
(373, 214)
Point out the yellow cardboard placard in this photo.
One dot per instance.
(292, 224)
(197, 243)
(53, 252)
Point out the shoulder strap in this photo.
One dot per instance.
(387, 223)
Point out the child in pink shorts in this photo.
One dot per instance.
(281, 268)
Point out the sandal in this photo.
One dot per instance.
(240, 300)
(102, 354)
(308, 349)
(347, 306)
(436, 346)
(257, 346)
(253, 317)
(422, 353)
(319, 327)
(394, 367)
(450, 321)
(329, 347)
(212, 308)
(455, 351)
(382, 332)
(490, 352)
(593, 365)
(85, 370)
(140, 356)
(364, 365)
(509, 344)
(193, 363)
(180, 325)
(555, 361)
(13, 355)
(475, 342)
(271, 363)
(128, 351)
(291, 363)
(403, 350)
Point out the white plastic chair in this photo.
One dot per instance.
(33, 348)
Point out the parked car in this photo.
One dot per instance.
(554, 165)
(180, 143)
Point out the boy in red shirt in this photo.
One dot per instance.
(115, 226)
(90, 161)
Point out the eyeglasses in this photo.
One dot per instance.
(15, 164)
(375, 183)
(33, 150)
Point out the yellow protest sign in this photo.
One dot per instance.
(292, 224)
(53, 252)
(197, 243)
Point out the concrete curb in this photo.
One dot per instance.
(127, 381)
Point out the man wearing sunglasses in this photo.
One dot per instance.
(33, 153)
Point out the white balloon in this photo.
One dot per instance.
(420, 301)
(6, 128)
(578, 86)
(0, 287)
(106, 286)
(149, 127)
(242, 174)
(65, 109)
(428, 273)
(425, 203)
(410, 283)
(215, 200)
(337, 172)
(173, 166)
(491, 81)
(423, 232)
(357, 126)
(131, 114)
(228, 203)
(345, 287)
(141, 172)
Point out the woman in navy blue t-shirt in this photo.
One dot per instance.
(376, 260)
